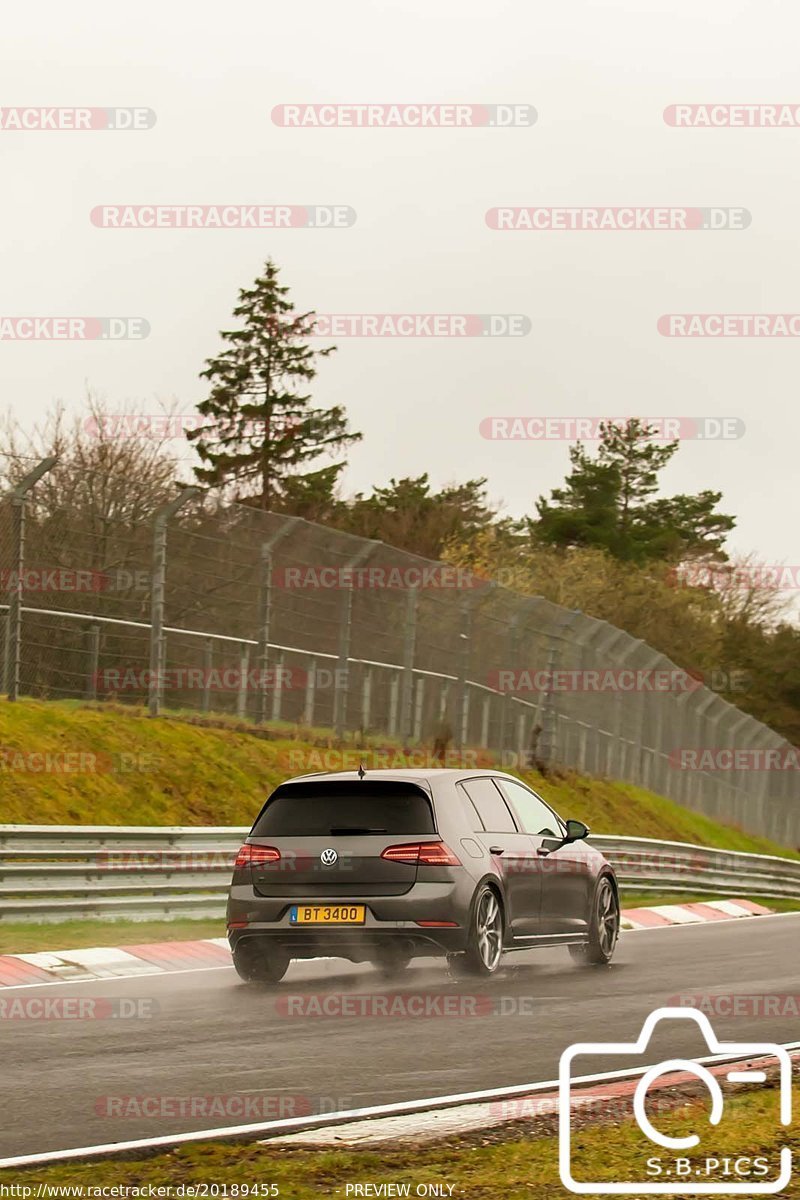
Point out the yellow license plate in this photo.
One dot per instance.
(327, 914)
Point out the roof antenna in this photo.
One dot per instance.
(361, 771)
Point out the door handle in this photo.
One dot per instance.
(495, 849)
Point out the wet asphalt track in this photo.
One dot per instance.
(214, 1037)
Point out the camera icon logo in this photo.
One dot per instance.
(668, 1174)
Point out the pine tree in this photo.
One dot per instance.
(608, 502)
(260, 427)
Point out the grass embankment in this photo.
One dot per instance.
(511, 1163)
(23, 937)
(125, 769)
(94, 764)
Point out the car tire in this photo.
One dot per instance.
(485, 939)
(257, 963)
(604, 924)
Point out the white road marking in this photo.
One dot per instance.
(325, 1119)
(22, 987)
(732, 908)
(37, 958)
(678, 914)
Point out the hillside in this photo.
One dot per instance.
(73, 763)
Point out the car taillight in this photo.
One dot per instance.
(254, 856)
(427, 854)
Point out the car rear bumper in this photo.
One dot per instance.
(358, 945)
(393, 919)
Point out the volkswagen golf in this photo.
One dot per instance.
(385, 866)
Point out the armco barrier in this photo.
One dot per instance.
(62, 872)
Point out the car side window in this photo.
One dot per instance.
(490, 806)
(534, 814)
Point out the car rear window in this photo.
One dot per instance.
(308, 809)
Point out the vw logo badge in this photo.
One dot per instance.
(328, 857)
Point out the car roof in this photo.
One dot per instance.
(409, 774)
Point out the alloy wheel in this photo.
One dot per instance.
(607, 918)
(489, 930)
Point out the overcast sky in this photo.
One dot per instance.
(599, 76)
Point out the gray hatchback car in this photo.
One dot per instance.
(385, 866)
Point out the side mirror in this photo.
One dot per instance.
(576, 831)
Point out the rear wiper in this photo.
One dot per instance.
(345, 829)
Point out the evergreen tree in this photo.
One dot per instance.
(261, 427)
(608, 502)
(410, 515)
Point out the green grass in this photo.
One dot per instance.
(511, 1164)
(189, 769)
(23, 937)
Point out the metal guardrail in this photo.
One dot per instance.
(650, 865)
(63, 872)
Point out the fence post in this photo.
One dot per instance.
(208, 666)
(468, 605)
(94, 661)
(366, 698)
(265, 611)
(311, 682)
(157, 591)
(547, 738)
(244, 672)
(19, 503)
(4, 628)
(508, 736)
(462, 709)
(419, 708)
(409, 650)
(276, 689)
(341, 689)
(485, 717)
(394, 695)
